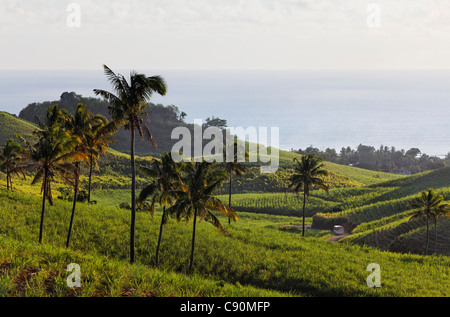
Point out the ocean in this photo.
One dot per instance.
(325, 109)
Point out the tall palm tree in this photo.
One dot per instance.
(427, 205)
(127, 107)
(202, 180)
(97, 143)
(81, 125)
(51, 155)
(10, 159)
(442, 211)
(234, 167)
(308, 173)
(166, 175)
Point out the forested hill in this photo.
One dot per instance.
(163, 120)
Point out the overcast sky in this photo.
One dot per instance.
(225, 34)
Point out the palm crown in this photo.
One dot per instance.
(129, 102)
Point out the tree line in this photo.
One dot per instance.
(384, 159)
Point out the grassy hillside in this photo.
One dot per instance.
(359, 175)
(258, 258)
(261, 255)
(383, 221)
(11, 125)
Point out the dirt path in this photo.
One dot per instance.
(330, 239)
(337, 238)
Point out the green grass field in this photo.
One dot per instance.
(11, 125)
(262, 255)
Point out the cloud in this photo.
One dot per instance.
(225, 33)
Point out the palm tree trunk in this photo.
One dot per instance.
(75, 198)
(41, 227)
(90, 179)
(229, 198)
(426, 248)
(193, 241)
(160, 235)
(7, 179)
(133, 197)
(304, 207)
(435, 235)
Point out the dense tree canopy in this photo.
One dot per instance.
(383, 159)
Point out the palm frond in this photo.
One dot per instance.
(212, 219)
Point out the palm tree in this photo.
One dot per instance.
(234, 167)
(51, 155)
(308, 173)
(427, 205)
(442, 211)
(166, 175)
(97, 143)
(202, 181)
(127, 107)
(10, 159)
(81, 125)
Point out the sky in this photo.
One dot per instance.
(225, 34)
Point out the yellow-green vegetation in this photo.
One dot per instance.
(382, 217)
(278, 203)
(11, 125)
(359, 175)
(258, 257)
(262, 254)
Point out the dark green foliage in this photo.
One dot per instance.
(385, 159)
(11, 157)
(215, 122)
(163, 120)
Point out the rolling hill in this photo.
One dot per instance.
(371, 205)
(383, 221)
(116, 162)
(10, 125)
(258, 257)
